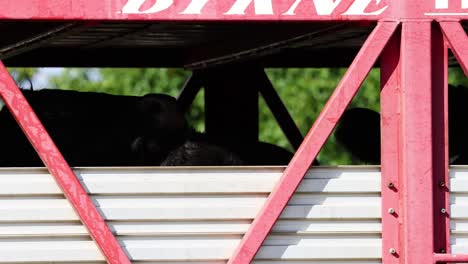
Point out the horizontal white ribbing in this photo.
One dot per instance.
(235, 227)
(193, 216)
(185, 248)
(38, 182)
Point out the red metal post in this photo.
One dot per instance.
(415, 147)
(458, 41)
(456, 37)
(440, 141)
(58, 167)
(390, 67)
(313, 142)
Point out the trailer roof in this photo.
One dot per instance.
(170, 44)
(199, 33)
(180, 44)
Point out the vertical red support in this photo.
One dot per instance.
(397, 106)
(391, 157)
(440, 141)
(313, 142)
(458, 40)
(417, 170)
(58, 167)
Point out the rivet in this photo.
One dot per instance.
(390, 185)
(442, 184)
(443, 210)
(392, 251)
(391, 210)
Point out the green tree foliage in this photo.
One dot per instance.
(23, 76)
(457, 77)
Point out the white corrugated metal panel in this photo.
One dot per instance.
(160, 181)
(458, 208)
(193, 215)
(338, 220)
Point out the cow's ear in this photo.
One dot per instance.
(161, 114)
(148, 104)
(157, 103)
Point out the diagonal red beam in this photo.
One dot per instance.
(458, 41)
(313, 142)
(59, 168)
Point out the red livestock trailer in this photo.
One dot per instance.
(409, 40)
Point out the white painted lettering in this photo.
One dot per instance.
(359, 8)
(323, 7)
(444, 4)
(265, 7)
(133, 6)
(195, 7)
(262, 7)
(441, 4)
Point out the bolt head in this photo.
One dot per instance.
(443, 210)
(390, 185)
(391, 210)
(442, 184)
(392, 251)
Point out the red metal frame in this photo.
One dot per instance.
(58, 167)
(440, 121)
(391, 159)
(416, 169)
(313, 142)
(414, 108)
(458, 41)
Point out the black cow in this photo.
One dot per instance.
(359, 130)
(200, 150)
(97, 129)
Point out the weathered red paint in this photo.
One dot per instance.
(193, 9)
(222, 10)
(458, 41)
(313, 142)
(416, 150)
(58, 167)
(401, 107)
(390, 67)
(414, 108)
